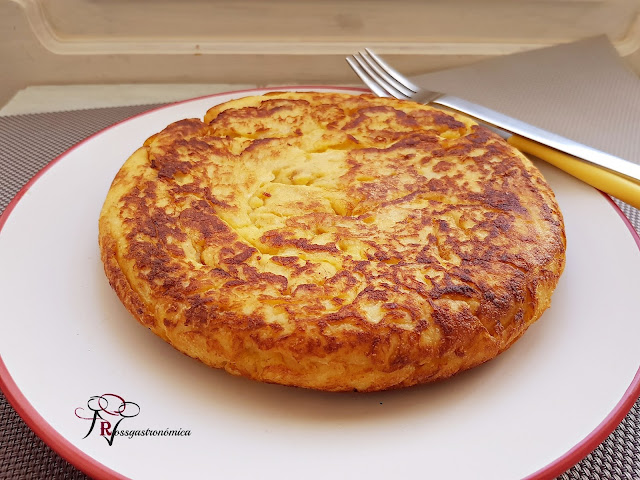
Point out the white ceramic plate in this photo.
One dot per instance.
(535, 410)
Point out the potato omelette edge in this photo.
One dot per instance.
(332, 241)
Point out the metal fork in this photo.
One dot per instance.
(384, 81)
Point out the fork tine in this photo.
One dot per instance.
(379, 80)
(373, 63)
(364, 76)
(393, 72)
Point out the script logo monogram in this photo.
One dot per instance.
(108, 412)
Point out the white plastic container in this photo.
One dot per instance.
(256, 42)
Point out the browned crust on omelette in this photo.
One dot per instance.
(332, 241)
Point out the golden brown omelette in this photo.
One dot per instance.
(332, 241)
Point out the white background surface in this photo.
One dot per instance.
(57, 98)
(66, 337)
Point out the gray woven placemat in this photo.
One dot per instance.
(29, 142)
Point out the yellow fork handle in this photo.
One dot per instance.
(609, 182)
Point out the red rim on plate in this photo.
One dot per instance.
(95, 469)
